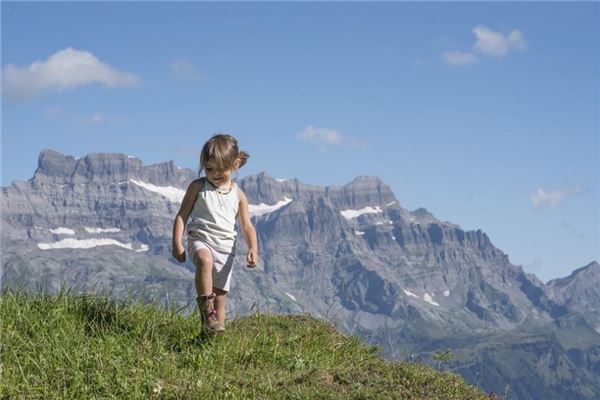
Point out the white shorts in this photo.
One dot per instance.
(222, 263)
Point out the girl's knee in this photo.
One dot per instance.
(203, 259)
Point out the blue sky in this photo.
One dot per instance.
(486, 114)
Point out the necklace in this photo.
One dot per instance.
(224, 191)
(222, 195)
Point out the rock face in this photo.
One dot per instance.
(351, 254)
(579, 291)
(54, 167)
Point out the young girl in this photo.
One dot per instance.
(214, 202)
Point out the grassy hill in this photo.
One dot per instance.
(81, 346)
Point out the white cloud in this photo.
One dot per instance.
(495, 43)
(66, 69)
(515, 39)
(325, 137)
(183, 69)
(322, 135)
(488, 42)
(459, 58)
(97, 118)
(543, 198)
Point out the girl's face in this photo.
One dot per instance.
(216, 176)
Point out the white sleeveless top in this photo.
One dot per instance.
(213, 217)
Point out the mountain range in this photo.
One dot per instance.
(353, 255)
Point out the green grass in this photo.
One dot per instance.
(85, 346)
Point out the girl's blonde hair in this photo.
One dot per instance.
(223, 150)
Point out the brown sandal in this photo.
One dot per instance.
(208, 314)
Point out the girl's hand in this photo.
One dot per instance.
(179, 253)
(252, 258)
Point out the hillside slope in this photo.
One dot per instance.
(88, 346)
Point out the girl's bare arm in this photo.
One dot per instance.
(181, 218)
(248, 231)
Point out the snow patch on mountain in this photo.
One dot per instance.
(290, 296)
(174, 194)
(349, 214)
(256, 210)
(88, 244)
(101, 230)
(427, 297)
(62, 231)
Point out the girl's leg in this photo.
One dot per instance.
(220, 304)
(206, 298)
(204, 266)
